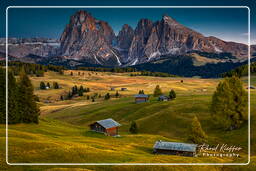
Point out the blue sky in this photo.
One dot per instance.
(227, 23)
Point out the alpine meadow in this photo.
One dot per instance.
(153, 93)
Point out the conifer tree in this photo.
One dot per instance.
(196, 134)
(157, 91)
(172, 94)
(27, 106)
(141, 92)
(13, 115)
(61, 98)
(42, 85)
(134, 128)
(2, 95)
(229, 105)
(71, 73)
(48, 85)
(81, 88)
(117, 94)
(88, 97)
(107, 96)
(55, 85)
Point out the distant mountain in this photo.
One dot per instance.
(23, 47)
(86, 38)
(89, 41)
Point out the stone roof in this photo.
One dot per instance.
(164, 145)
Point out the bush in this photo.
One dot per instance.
(134, 128)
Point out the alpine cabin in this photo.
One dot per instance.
(174, 148)
(107, 126)
(140, 98)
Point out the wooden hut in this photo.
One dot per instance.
(174, 148)
(140, 98)
(106, 126)
(123, 89)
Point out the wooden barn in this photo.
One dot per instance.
(107, 126)
(174, 148)
(140, 98)
(163, 98)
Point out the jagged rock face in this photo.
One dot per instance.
(86, 38)
(168, 37)
(125, 36)
(140, 39)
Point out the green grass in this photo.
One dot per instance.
(63, 136)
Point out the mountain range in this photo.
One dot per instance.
(86, 39)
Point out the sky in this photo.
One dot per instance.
(230, 24)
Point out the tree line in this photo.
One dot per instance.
(99, 69)
(154, 74)
(241, 71)
(32, 69)
(22, 106)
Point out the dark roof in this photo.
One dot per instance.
(141, 95)
(163, 97)
(164, 145)
(108, 123)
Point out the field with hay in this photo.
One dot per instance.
(63, 136)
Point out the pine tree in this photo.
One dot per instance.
(117, 94)
(71, 73)
(61, 98)
(157, 91)
(80, 92)
(81, 88)
(27, 106)
(42, 85)
(172, 94)
(13, 115)
(69, 96)
(48, 85)
(141, 92)
(196, 133)
(2, 95)
(55, 85)
(107, 96)
(230, 104)
(134, 128)
(88, 97)
(93, 100)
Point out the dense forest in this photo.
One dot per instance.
(153, 74)
(22, 106)
(100, 69)
(241, 71)
(32, 69)
(183, 66)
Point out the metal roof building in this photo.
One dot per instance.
(106, 126)
(184, 149)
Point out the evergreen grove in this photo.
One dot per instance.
(22, 106)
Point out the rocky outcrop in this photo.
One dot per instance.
(89, 39)
(23, 47)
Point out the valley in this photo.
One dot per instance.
(63, 135)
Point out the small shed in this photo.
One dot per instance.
(123, 89)
(163, 98)
(106, 126)
(251, 87)
(140, 98)
(174, 148)
(112, 89)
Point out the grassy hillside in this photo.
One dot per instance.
(63, 136)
